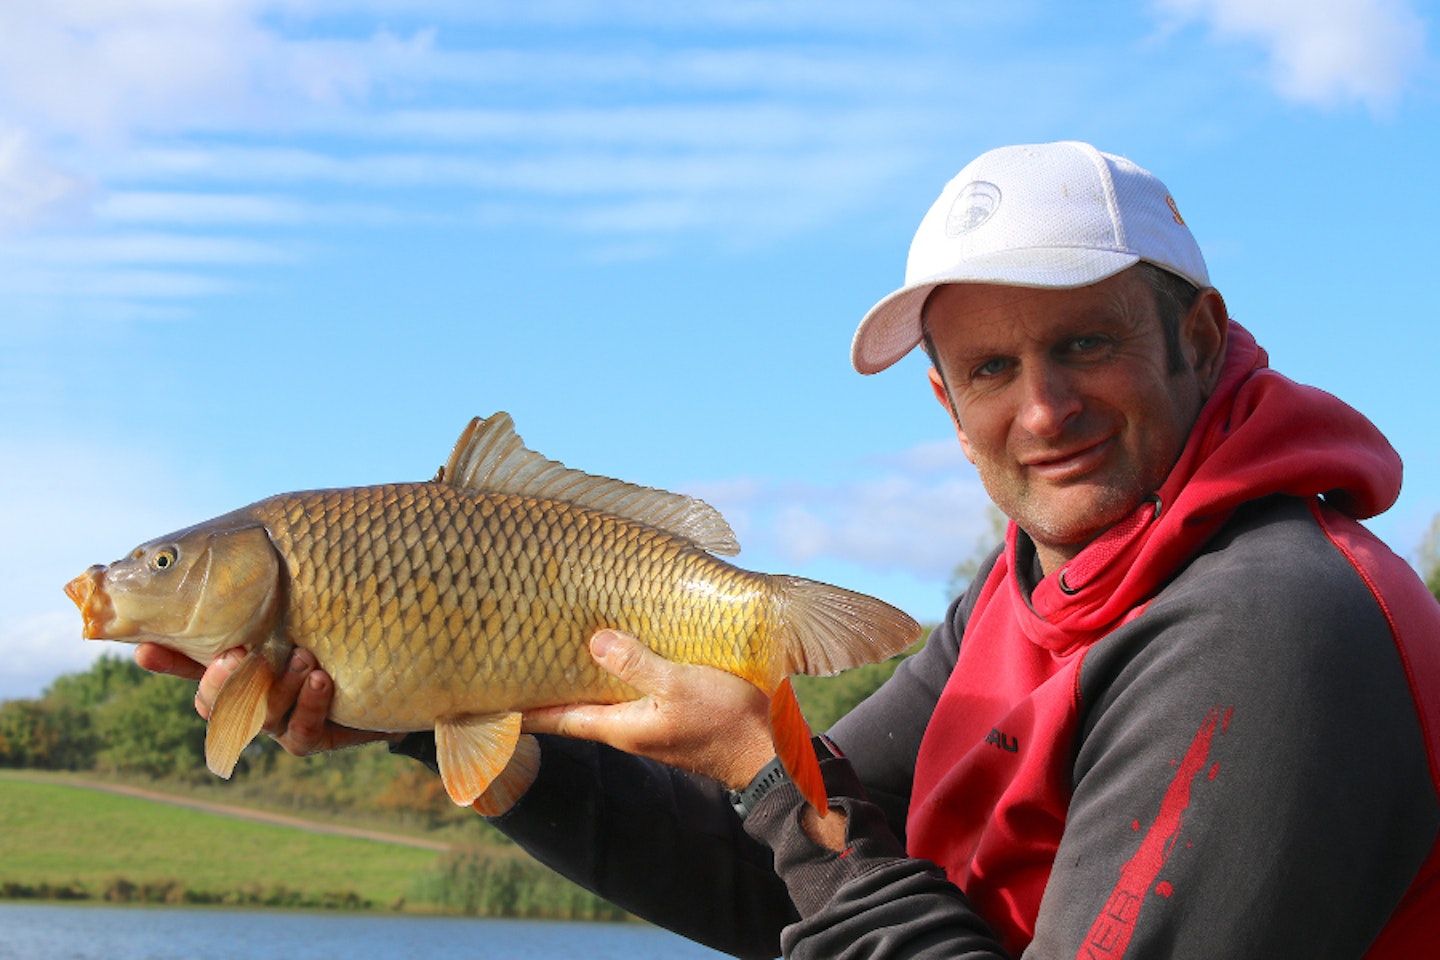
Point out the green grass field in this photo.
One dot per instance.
(54, 833)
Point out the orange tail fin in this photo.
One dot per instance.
(792, 745)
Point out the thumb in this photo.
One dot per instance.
(623, 657)
(626, 658)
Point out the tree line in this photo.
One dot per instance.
(113, 716)
(115, 720)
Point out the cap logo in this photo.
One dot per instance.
(975, 204)
(1174, 210)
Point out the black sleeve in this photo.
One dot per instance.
(870, 900)
(660, 843)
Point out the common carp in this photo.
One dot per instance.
(456, 604)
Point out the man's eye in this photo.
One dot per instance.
(990, 368)
(1085, 344)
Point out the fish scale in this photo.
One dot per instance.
(409, 594)
(457, 604)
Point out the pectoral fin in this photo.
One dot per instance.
(791, 735)
(238, 714)
(472, 751)
(514, 780)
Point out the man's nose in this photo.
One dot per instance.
(1048, 399)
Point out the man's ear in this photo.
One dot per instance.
(1204, 335)
(937, 384)
(942, 393)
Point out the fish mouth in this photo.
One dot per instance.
(89, 595)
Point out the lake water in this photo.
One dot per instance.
(64, 932)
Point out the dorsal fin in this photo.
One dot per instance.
(490, 457)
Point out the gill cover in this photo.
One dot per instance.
(239, 594)
(199, 592)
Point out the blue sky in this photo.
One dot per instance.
(249, 246)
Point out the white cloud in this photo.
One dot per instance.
(807, 17)
(922, 514)
(653, 126)
(108, 71)
(40, 648)
(113, 71)
(99, 69)
(34, 191)
(113, 278)
(81, 79)
(70, 504)
(146, 84)
(217, 210)
(1323, 52)
(199, 209)
(749, 122)
(150, 248)
(756, 192)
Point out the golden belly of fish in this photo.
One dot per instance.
(423, 602)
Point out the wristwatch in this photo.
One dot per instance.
(773, 774)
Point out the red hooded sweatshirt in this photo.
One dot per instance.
(1006, 749)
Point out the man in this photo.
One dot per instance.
(1190, 708)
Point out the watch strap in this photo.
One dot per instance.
(770, 776)
(773, 774)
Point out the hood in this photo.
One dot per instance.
(1259, 434)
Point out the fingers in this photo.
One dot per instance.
(584, 721)
(630, 660)
(695, 717)
(308, 728)
(158, 659)
(307, 731)
(287, 689)
(214, 678)
(296, 708)
(627, 659)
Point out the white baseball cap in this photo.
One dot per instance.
(1039, 215)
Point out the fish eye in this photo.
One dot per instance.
(164, 558)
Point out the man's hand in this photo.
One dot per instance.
(297, 707)
(697, 718)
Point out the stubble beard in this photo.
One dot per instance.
(1062, 521)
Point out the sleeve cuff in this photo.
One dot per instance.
(812, 872)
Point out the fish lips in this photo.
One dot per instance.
(96, 610)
